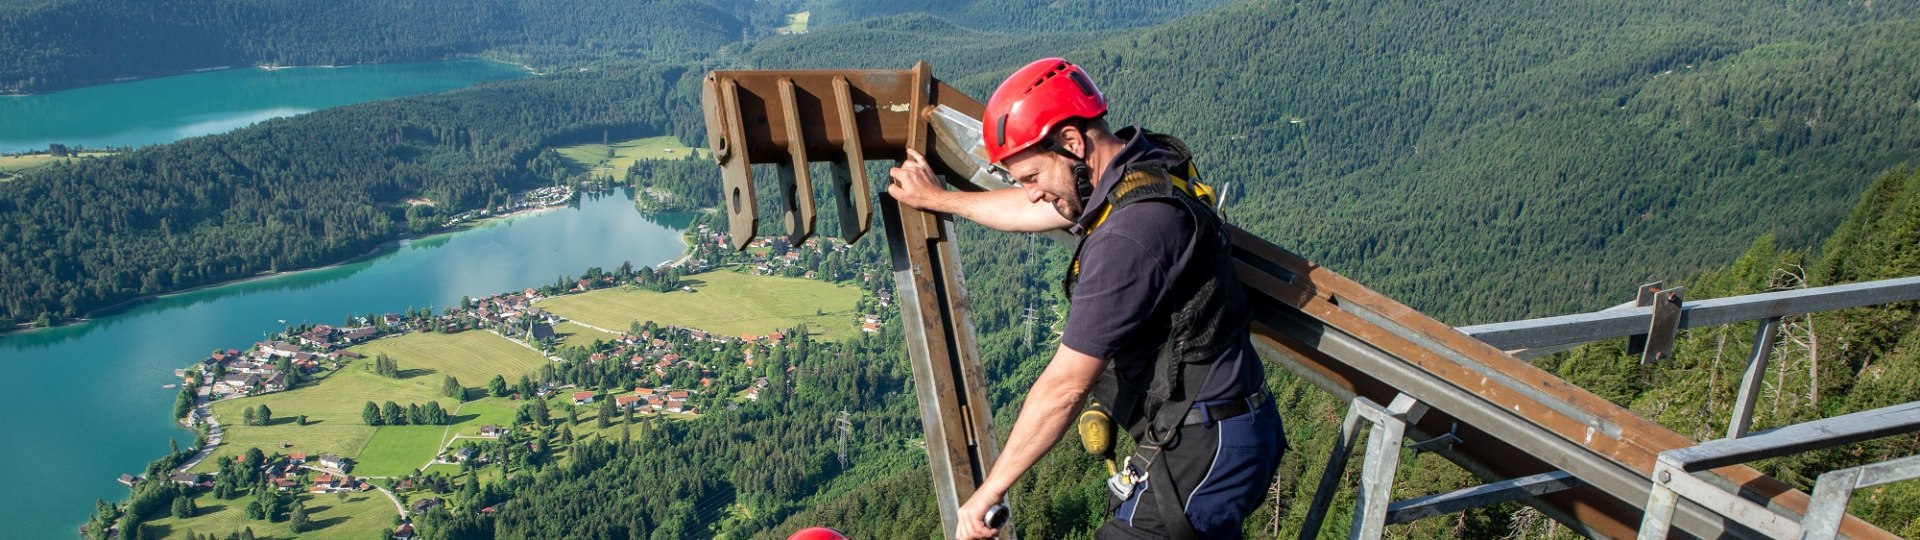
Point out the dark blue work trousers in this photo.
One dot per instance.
(1222, 472)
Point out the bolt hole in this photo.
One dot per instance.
(736, 200)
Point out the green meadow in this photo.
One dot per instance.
(613, 159)
(349, 515)
(727, 303)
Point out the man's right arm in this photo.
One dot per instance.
(1001, 209)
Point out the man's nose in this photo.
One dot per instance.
(1034, 195)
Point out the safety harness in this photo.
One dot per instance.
(1194, 318)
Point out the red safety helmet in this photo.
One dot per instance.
(817, 533)
(1034, 100)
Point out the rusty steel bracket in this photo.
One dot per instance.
(1662, 328)
(793, 118)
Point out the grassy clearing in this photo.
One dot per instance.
(472, 356)
(482, 412)
(398, 450)
(603, 159)
(357, 515)
(728, 303)
(333, 404)
(797, 22)
(314, 440)
(11, 166)
(575, 335)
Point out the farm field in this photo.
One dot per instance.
(398, 450)
(11, 166)
(472, 356)
(334, 403)
(575, 335)
(613, 159)
(797, 22)
(726, 303)
(482, 412)
(354, 515)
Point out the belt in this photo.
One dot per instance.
(1214, 411)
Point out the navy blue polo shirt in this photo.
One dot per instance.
(1125, 265)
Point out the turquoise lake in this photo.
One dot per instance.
(167, 109)
(95, 406)
(89, 398)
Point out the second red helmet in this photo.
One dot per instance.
(1033, 100)
(817, 533)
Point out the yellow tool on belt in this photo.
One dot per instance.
(1096, 435)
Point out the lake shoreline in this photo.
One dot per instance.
(381, 249)
(262, 67)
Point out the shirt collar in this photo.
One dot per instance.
(1136, 149)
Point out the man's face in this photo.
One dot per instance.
(1046, 176)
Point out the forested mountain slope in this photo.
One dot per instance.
(1825, 364)
(1489, 161)
(55, 44)
(1011, 16)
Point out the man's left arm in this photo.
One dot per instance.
(1049, 408)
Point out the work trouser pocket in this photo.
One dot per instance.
(1249, 449)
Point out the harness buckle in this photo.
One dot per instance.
(1126, 481)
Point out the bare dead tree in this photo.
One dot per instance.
(1801, 332)
(1526, 523)
(1711, 406)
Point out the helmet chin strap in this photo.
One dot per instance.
(1082, 174)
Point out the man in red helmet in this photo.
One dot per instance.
(1156, 331)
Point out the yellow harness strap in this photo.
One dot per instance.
(1136, 179)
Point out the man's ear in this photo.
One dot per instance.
(1072, 139)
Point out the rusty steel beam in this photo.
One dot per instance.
(1514, 419)
(792, 118)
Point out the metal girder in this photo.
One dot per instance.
(1673, 486)
(1479, 496)
(1742, 417)
(1382, 462)
(1679, 476)
(1823, 433)
(1627, 321)
(1834, 489)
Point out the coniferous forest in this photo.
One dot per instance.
(1480, 162)
(54, 44)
